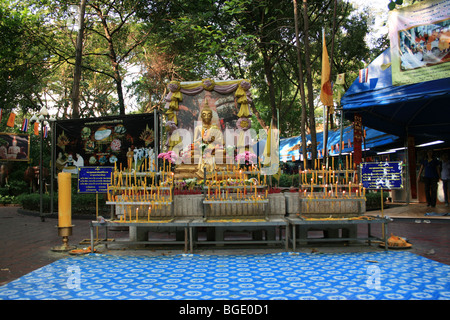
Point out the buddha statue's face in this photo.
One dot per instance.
(206, 116)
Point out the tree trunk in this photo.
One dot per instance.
(269, 78)
(113, 58)
(332, 52)
(78, 58)
(312, 121)
(302, 89)
(257, 115)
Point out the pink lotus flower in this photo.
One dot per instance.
(169, 156)
(245, 157)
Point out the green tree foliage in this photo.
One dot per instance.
(24, 61)
(165, 40)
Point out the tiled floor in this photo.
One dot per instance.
(26, 240)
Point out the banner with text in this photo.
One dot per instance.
(386, 175)
(420, 39)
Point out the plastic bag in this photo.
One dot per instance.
(440, 193)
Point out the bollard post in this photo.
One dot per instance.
(64, 210)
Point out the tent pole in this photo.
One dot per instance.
(341, 129)
(408, 166)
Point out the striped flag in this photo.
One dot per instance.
(25, 125)
(45, 131)
(364, 75)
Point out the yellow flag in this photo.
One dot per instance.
(268, 146)
(11, 119)
(277, 175)
(36, 128)
(326, 93)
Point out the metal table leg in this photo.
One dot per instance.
(185, 239)
(92, 238)
(294, 238)
(286, 237)
(191, 242)
(385, 236)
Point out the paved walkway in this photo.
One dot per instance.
(26, 241)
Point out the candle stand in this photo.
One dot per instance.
(64, 232)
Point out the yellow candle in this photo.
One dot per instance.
(65, 199)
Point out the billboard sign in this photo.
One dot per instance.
(420, 40)
(382, 175)
(105, 142)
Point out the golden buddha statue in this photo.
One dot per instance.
(207, 138)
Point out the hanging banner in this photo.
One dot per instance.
(126, 141)
(14, 146)
(420, 38)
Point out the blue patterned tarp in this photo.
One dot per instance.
(293, 276)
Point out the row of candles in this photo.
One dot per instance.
(222, 193)
(331, 191)
(147, 195)
(126, 189)
(244, 192)
(130, 216)
(133, 187)
(328, 176)
(348, 163)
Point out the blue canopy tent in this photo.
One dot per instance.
(421, 110)
(291, 147)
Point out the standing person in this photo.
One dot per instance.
(431, 167)
(445, 175)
